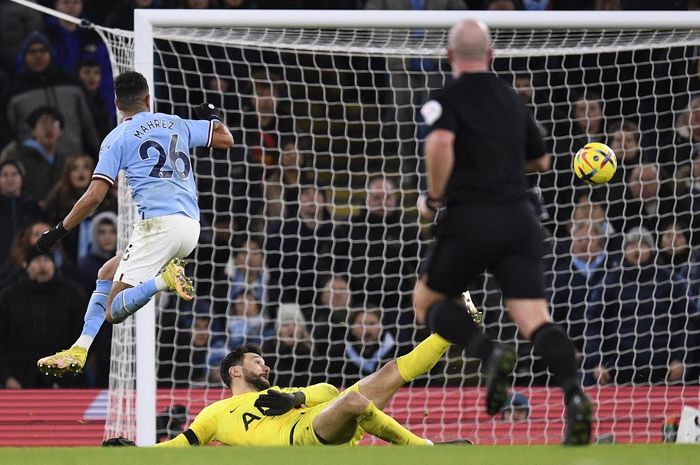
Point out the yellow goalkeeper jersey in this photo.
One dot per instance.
(237, 422)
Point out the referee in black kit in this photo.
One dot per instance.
(482, 140)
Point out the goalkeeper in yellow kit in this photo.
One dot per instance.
(259, 415)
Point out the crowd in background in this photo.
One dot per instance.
(330, 300)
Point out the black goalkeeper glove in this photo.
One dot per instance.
(49, 239)
(278, 402)
(207, 111)
(117, 442)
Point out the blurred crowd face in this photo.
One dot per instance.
(585, 210)
(253, 259)
(694, 117)
(198, 4)
(507, 5)
(637, 252)
(107, 236)
(673, 242)
(523, 87)
(70, 7)
(625, 144)
(200, 332)
(80, 171)
(10, 181)
(90, 76)
(381, 198)
(589, 115)
(644, 183)
(587, 240)
(41, 269)
(309, 201)
(47, 131)
(246, 306)
(336, 294)
(37, 58)
(366, 327)
(264, 99)
(290, 157)
(38, 229)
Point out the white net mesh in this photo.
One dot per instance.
(313, 273)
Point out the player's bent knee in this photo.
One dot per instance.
(353, 403)
(107, 271)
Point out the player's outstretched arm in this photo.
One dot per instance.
(185, 439)
(85, 205)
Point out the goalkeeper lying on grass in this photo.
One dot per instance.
(259, 415)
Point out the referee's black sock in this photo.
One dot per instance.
(452, 321)
(554, 346)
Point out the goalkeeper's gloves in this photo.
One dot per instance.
(49, 239)
(278, 402)
(207, 111)
(120, 441)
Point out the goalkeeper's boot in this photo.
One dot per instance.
(579, 416)
(498, 368)
(174, 276)
(66, 361)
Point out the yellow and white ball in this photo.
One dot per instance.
(595, 163)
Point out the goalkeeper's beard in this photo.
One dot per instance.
(256, 381)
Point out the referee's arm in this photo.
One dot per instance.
(439, 161)
(539, 165)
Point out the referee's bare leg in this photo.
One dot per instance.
(450, 319)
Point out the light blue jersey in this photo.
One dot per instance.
(154, 151)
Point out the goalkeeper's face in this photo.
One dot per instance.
(255, 372)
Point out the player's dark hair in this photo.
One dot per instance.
(34, 116)
(235, 357)
(130, 88)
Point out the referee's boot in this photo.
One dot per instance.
(66, 361)
(498, 369)
(174, 276)
(579, 417)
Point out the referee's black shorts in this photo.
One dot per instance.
(506, 240)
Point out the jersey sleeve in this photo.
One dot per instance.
(110, 161)
(204, 425)
(534, 144)
(200, 132)
(316, 393)
(439, 114)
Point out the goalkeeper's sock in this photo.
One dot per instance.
(95, 313)
(381, 425)
(128, 301)
(556, 349)
(423, 357)
(451, 320)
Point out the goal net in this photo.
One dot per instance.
(310, 239)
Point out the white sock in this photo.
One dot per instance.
(84, 341)
(161, 285)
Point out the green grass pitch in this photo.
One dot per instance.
(649, 454)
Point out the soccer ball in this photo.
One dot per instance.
(595, 163)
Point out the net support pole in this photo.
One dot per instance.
(145, 317)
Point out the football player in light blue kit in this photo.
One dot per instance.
(153, 150)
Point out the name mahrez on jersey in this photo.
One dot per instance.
(152, 124)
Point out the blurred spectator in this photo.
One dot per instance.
(37, 314)
(40, 155)
(245, 323)
(516, 408)
(289, 354)
(578, 277)
(17, 208)
(192, 354)
(282, 185)
(238, 4)
(676, 155)
(383, 252)
(122, 15)
(676, 253)
(14, 268)
(330, 328)
(200, 4)
(90, 76)
(301, 251)
(636, 328)
(73, 44)
(77, 176)
(408, 83)
(40, 82)
(508, 5)
(536, 5)
(607, 5)
(16, 22)
(367, 347)
(650, 202)
(103, 246)
(247, 272)
(587, 209)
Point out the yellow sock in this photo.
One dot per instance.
(423, 357)
(378, 423)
